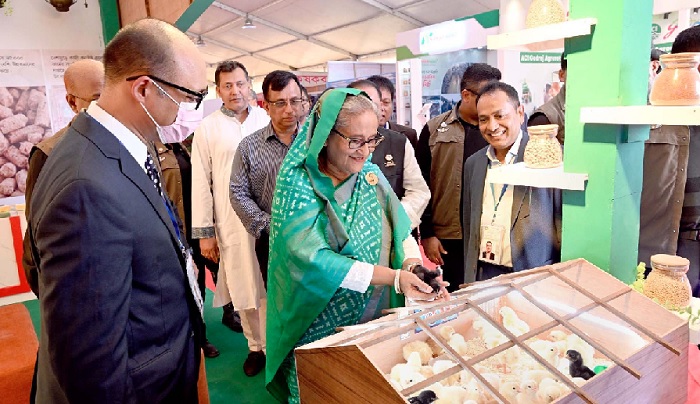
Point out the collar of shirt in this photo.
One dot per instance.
(269, 132)
(512, 152)
(230, 113)
(127, 138)
(386, 125)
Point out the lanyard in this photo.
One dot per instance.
(496, 204)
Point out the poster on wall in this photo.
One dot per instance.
(534, 75)
(32, 108)
(315, 82)
(24, 116)
(664, 28)
(442, 75)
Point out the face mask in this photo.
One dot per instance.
(185, 124)
(159, 129)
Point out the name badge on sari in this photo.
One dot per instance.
(192, 281)
(372, 178)
(491, 247)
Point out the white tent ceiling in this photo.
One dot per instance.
(304, 34)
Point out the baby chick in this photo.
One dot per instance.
(442, 365)
(576, 343)
(528, 392)
(425, 397)
(511, 321)
(549, 391)
(421, 347)
(576, 367)
(546, 349)
(458, 343)
(403, 371)
(510, 390)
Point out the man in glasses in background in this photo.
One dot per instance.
(222, 236)
(257, 161)
(121, 313)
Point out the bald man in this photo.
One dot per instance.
(121, 311)
(84, 80)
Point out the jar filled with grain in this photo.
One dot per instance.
(667, 282)
(544, 12)
(543, 149)
(679, 81)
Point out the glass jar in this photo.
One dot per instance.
(543, 149)
(544, 12)
(679, 81)
(667, 282)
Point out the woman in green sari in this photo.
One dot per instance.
(336, 229)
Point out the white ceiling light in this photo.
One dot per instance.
(248, 23)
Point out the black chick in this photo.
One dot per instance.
(428, 276)
(425, 397)
(576, 367)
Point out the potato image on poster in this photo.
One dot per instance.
(24, 122)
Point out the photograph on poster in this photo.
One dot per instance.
(24, 122)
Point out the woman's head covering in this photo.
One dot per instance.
(314, 240)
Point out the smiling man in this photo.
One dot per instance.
(522, 224)
(223, 237)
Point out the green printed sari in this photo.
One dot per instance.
(317, 232)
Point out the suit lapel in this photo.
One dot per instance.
(138, 177)
(478, 185)
(519, 207)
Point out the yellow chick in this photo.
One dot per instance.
(558, 337)
(546, 349)
(421, 347)
(473, 391)
(458, 343)
(401, 369)
(508, 358)
(510, 391)
(537, 375)
(446, 332)
(550, 390)
(453, 395)
(441, 366)
(528, 392)
(512, 323)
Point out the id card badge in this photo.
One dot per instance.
(491, 247)
(192, 281)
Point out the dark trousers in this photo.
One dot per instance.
(453, 270)
(262, 251)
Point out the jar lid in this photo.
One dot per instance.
(542, 129)
(669, 260)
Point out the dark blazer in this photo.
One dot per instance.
(118, 323)
(394, 145)
(535, 233)
(410, 133)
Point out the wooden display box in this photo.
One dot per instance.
(647, 345)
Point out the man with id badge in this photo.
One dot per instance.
(510, 228)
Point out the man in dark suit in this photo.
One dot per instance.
(524, 223)
(388, 94)
(120, 309)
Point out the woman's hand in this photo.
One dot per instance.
(412, 287)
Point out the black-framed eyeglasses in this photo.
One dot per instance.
(198, 95)
(279, 104)
(357, 143)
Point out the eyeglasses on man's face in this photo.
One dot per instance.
(196, 96)
(279, 104)
(355, 143)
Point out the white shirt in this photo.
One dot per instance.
(492, 192)
(416, 192)
(133, 144)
